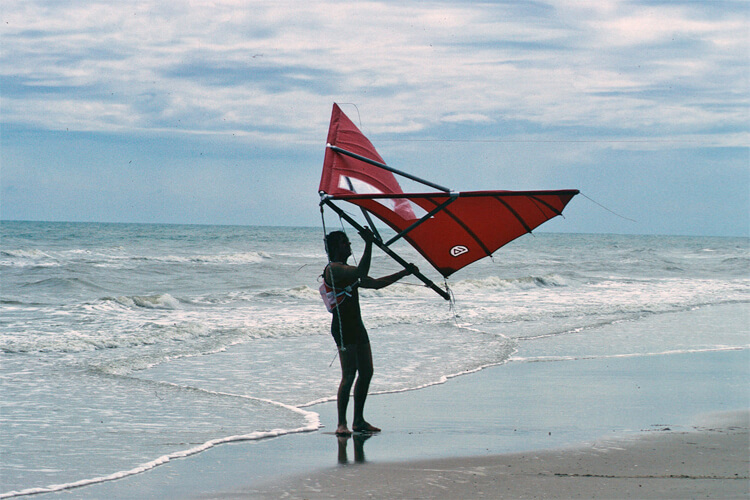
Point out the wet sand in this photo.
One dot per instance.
(708, 461)
(622, 427)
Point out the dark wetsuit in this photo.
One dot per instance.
(355, 356)
(350, 320)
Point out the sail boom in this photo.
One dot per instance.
(461, 194)
(386, 167)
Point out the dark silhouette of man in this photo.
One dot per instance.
(347, 328)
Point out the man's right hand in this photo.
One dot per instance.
(367, 235)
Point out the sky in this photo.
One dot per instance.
(217, 112)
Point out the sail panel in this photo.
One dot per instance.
(474, 226)
(344, 134)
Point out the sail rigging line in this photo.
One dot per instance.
(359, 118)
(545, 141)
(333, 283)
(452, 302)
(608, 210)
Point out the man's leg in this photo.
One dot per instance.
(365, 371)
(348, 359)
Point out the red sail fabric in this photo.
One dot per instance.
(344, 134)
(470, 226)
(473, 226)
(345, 175)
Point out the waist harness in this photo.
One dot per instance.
(331, 299)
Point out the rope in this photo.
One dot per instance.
(333, 283)
(607, 209)
(452, 303)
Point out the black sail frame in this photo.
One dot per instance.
(327, 200)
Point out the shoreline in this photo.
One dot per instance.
(529, 408)
(710, 460)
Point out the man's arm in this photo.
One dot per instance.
(344, 274)
(364, 263)
(378, 283)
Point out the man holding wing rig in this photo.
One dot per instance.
(341, 283)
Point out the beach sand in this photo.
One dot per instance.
(620, 427)
(709, 461)
(626, 427)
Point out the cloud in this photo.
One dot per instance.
(466, 118)
(613, 76)
(102, 65)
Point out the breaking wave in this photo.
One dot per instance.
(162, 301)
(522, 283)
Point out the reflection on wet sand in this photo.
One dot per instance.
(359, 448)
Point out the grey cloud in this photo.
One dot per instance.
(270, 77)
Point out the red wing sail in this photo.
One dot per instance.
(451, 230)
(471, 226)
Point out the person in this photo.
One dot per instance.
(347, 327)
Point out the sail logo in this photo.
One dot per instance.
(458, 250)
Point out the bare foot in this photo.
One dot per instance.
(343, 430)
(365, 427)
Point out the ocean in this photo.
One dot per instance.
(125, 346)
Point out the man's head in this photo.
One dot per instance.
(337, 245)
